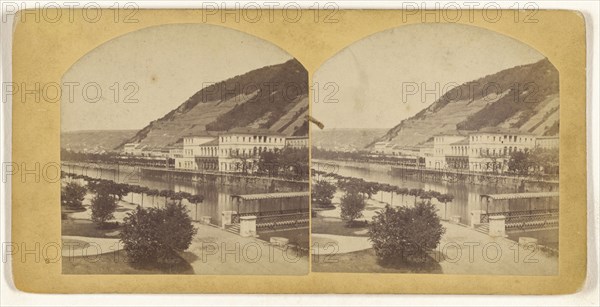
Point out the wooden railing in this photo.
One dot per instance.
(235, 218)
(485, 218)
(532, 222)
(526, 220)
(283, 221)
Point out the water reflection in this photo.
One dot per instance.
(217, 197)
(466, 195)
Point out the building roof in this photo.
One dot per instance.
(464, 141)
(272, 195)
(520, 195)
(547, 137)
(452, 133)
(296, 137)
(252, 131)
(203, 134)
(213, 142)
(500, 130)
(425, 145)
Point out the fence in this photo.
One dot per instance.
(282, 221)
(235, 218)
(485, 217)
(526, 220)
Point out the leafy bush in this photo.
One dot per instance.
(103, 207)
(352, 205)
(72, 196)
(290, 163)
(322, 193)
(152, 235)
(405, 232)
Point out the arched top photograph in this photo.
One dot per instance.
(436, 133)
(179, 135)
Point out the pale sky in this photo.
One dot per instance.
(168, 64)
(373, 73)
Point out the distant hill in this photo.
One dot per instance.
(523, 97)
(94, 140)
(273, 97)
(344, 139)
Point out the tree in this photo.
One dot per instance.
(545, 161)
(166, 194)
(519, 162)
(352, 205)
(102, 186)
(153, 235)
(153, 193)
(72, 196)
(195, 199)
(405, 232)
(142, 191)
(268, 163)
(103, 207)
(416, 193)
(322, 193)
(445, 198)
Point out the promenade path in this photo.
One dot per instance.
(75, 246)
(325, 244)
(215, 251)
(463, 250)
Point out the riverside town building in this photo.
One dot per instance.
(233, 151)
(480, 151)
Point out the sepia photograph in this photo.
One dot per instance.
(187, 154)
(295, 150)
(439, 155)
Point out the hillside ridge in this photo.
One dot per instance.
(272, 97)
(524, 97)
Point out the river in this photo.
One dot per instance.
(217, 197)
(466, 195)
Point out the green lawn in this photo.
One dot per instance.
(336, 227)
(366, 261)
(117, 263)
(85, 228)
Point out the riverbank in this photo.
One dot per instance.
(217, 196)
(443, 175)
(88, 249)
(124, 172)
(462, 250)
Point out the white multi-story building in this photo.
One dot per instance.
(134, 149)
(442, 147)
(382, 147)
(194, 146)
(485, 150)
(425, 154)
(296, 142)
(490, 148)
(547, 142)
(176, 152)
(237, 150)
(240, 147)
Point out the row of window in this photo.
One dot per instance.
(475, 151)
(493, 138)
(509, 138)
(252, 139)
